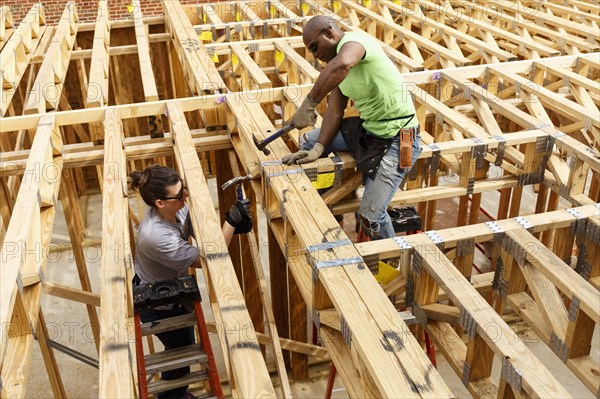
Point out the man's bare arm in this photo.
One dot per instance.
(337, 70)
(336, 105)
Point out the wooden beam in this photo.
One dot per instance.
(333, 340)
(259, 78)
(73, 294)
(17, 52)
(141, 36)
(97, 89)
(191, 52)
(249, 374)
(479, 232)
(6, 25)
(566, 279)
(51, 76)
(116, 349)
(28, 233)
(311, 222)
(478, 314)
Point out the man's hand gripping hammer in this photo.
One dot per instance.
(237, 182)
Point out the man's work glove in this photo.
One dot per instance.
(304, 156)
(239, 216)
(306, 115)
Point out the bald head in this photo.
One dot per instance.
(317, 24)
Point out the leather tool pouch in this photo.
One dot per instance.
(366, 149)
(405, 153)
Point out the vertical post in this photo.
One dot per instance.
(279, 289)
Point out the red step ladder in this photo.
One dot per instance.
(182, 291)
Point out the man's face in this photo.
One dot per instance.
(319, 43)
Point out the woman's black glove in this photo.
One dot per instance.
(239, 216)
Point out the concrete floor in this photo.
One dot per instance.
(68, 323)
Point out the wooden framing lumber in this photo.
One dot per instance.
(528, 48)
(566, 279)
(270, 319)
(491, 54)
(249, 375)
(73, 294)
(299, 71)
(97, 89)
(141, 36)
(446, 57)
(200, 70)
(136, 148)
(547, 19)
(521, 25)
(528, 115)
(334, 280)
(250, 69)
(6, 25)
(591, 121)
(286, 344)
(50, 79)
(477, 314)
(75, 227)
(481, 232)
(333, 340)
(116, 313)
(17, 52)
(27, 235)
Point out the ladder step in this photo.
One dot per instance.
(174, 358)
(165, 385)
(170, 324)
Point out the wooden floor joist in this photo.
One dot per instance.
(506, 95)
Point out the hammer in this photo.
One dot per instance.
(262, 145)
(237, 181)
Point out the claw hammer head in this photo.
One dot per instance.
(261, 145)
(235, 181)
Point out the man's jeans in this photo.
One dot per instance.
(378, 192)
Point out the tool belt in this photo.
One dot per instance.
(369, 150)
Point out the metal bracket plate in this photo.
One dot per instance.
(578, 227)
(512, 375)
(558, 347)
(592, 232)
(500, 150)
(478, 151)
(401, 242)
(436, 238)
(328, 245)
(419, 314)
(518, 252)
(345, 330)
(497, 230)
(574, 308)
(338, 170)
(435, 158)
(583, 267)
(465, 247)
(526, 224)
(468, 323)
(417, 262)
(334, 263)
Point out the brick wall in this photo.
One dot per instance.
(87, 9)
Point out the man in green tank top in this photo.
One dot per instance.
(358, 69)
